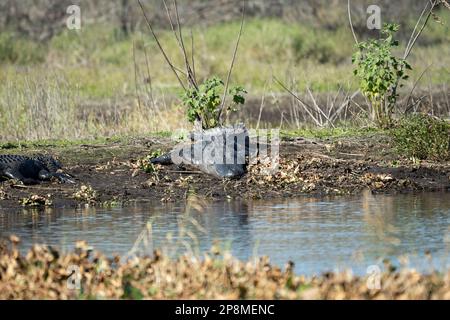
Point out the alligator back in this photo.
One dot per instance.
(14, 161)
(220, 152)
(32, 169)
(10, 161)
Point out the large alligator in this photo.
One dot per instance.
(33, 169)
(222, 152)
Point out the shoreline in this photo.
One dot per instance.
(110, 174)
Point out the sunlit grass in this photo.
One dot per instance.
(343, 131)
(100, 62)
(45, 88)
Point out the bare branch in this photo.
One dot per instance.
(305, 105)
(227, 83)
(318, 108)
(193, 56)
(414, 87)
(346, 102)
(149, 77)
(415, 27)
(174, 69)
(171, 22)
(414, 104)
(136, 75)
(351, 22)
(413, 39)
(190, 74)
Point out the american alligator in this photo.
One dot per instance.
(221, 152)
(33, 169)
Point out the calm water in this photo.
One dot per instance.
(318, 235)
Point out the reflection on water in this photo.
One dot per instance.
(318, 235)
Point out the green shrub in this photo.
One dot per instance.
(423, 137)
(379, 72)
(204, 103)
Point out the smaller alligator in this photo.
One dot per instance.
(33, 169)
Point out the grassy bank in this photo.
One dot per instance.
(83, 84)
(44, 273)
(61, 144)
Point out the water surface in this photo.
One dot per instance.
(318, 235)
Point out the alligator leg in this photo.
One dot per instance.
(45, 175)
(64, 177)
(16, 175)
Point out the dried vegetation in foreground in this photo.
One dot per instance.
(43, 273)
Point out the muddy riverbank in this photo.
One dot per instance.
(110, 173)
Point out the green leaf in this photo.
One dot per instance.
(238, 99)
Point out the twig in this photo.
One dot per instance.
(346, 102)
(415, 27)
(136, 75)
(171, 22)
(351, 22)
(416, 103)
(20, 186)
(412, 41)
(415, 85)
(446, 98)
(333, 102)
(177, 38)
(174, 69)
(430, 95)
(149, 77)
(261, 108)
(190, 75)
(304, 104)
(281, 120)
(318, 108)
(227, 83)
(192, 56)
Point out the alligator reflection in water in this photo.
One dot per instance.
(317, 234)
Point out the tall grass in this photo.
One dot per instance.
(102, 62)
(83, 84)
(37, 108)
(47, 107)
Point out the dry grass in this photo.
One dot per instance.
(86, 84)
(43, 273)
(46, 107)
